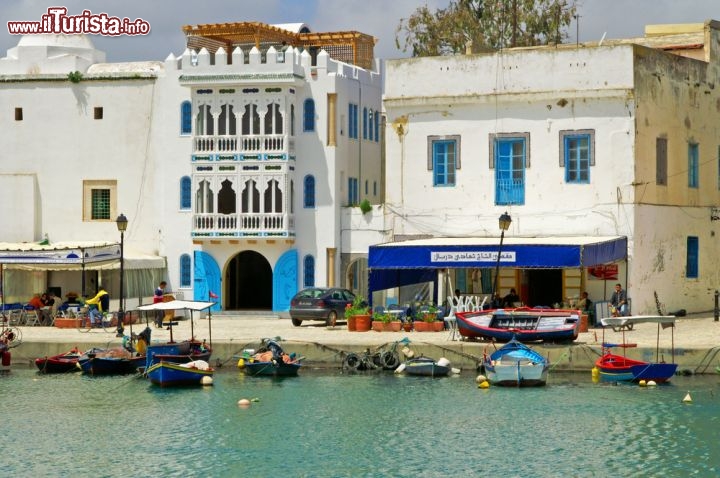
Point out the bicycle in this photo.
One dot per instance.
(84, 323)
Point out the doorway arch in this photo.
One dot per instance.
(248, 282)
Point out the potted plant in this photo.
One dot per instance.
(426, 319)
(357, 315)
(383, 322)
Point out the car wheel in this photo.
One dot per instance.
(296, 322)
(331, 319)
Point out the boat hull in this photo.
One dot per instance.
(63, 363)
(525, 325)
(110, 365)
(616, 368)
(167, 374)
(176, 352)
(516, 365)
(426, 367)
(270, 369)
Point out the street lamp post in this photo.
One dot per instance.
(122, 223)
(504, 222)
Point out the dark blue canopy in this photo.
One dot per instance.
(410, 262)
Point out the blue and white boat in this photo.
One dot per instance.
(168, 374)
(516, 365)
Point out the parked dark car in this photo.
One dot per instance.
(320, 303)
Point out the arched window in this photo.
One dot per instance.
(185, 117)
(185, 192)
(185, 271)
(309, 192)
(309, 115)
(308, 271)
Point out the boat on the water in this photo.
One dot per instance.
(179, 363)
(516, 365)
(426, 367)
(61, 363)
(525, 324)
(111, 361)
(168, 374)
(618, 368)
(270, 360)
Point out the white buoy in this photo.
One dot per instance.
(687, 399)
(243, 403)
(480, 378)
(206, 380)
(651, 383)
(400, 368)
(455, 370)
(443, 362)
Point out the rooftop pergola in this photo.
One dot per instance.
(350, 46)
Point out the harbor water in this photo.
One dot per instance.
(329, 424)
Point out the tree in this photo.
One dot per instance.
(487, 23)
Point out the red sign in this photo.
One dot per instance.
(608, 272)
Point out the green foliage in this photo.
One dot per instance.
(383, 317)
(365, 206)
(75, 76)
(486, 23)
(358, 307)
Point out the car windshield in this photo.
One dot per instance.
(312, 293)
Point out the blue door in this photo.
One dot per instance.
(285, 280)
(207, 280)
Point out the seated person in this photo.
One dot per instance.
(36, 302)
(586, 306)
(510, 299)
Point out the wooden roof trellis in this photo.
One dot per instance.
(347, 46)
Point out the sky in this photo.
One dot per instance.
(379, 18)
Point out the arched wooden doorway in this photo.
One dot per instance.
(248, 282)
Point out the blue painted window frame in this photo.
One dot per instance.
(185, 118)
(309, 192)
(444, 162)
(510, 159)
(365, 123)
(353, 191)
(185, 270)
(352, 121)
(185, 192)
(309, 115)
(376, 119)
(693, 165)
(308, 271)
(577, 155)
(692, 262)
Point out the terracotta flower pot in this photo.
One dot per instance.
(395, 326)
(363, 323)
(351, 323)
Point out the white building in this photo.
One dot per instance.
(234, 163)
(580, 144)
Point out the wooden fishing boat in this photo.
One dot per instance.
(526, 324)
(179, 363)
(516, 365)
(270, 360)
(427, 367)
(618, 368)
(60, 363)
(168, 374)
(112, 361)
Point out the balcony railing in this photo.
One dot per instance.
(243, 225)
(245, 144)
(509, 191)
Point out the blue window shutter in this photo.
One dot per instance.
(309, 115)
(692, 258)
(185, 192)
(309, 191)
(308, 271)
(185, 271)
(185, 117)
